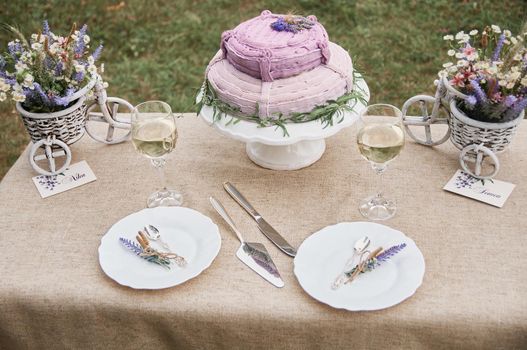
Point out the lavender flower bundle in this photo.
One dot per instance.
(372, 263)
(139, 251)
(43, 72)
(292, 24)
(491, 70)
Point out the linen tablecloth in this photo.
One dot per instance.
(53, 293)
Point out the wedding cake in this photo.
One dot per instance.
(278, 68)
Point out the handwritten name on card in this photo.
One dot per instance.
(76, 175)
(493, 192)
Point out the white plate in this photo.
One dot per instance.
(187, 232)
(321, 257)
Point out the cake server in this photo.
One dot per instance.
(263, 225)
(251, 254)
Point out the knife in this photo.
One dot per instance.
(263, 225)
(251, 254)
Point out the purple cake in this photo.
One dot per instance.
(273, 66)
(257, 49)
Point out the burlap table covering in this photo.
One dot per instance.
(53, 294)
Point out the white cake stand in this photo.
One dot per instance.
(269, 148)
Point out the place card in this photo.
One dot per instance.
(493, 192)
(76, 175)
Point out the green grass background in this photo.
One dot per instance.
(158, 49)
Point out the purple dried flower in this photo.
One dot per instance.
(499, 46)
(480, 95)
(14, 48)
(45, 27)
(509, 100)
(41, 94)
(48, 63)
(471, 100)
(516, 109)
(79, 48)
(79, 76)
(64, 100)
(132, 246)
(97, 53)
(387, 254)
(58, 69)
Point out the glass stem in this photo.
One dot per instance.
(379, 170)
(159, 164)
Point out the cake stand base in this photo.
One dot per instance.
(288, 157)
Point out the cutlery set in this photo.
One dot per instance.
(255, 255)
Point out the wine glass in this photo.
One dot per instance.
(380, 139)
(154, 135)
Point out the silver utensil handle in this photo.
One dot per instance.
(223, 213)
(240, 199)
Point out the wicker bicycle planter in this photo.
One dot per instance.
(67, 125)
(465, 131)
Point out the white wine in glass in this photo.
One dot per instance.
(380, 139)
(154, 135)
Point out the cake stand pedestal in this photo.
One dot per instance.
(269, 148)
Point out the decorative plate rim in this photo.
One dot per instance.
(186, 278)
(411, 292)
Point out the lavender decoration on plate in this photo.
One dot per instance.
(382, 257)
(139, 251)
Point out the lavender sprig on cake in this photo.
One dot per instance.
(293, 24)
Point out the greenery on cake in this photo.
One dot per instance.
(328, 114)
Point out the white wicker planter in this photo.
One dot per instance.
(66, 125)
(465, 131)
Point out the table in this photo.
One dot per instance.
(53, 294)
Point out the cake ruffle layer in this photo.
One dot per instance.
(256, 49)
(297, 94)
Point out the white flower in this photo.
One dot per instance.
(92, 69)
(448, 64)
(514, 41)
(105, 85)
(102, 68)
(460, 35)
(473, 32)
(448, 37)
(495, 28)
(519, 38)
(502, 82)
(514, 76)
(79, 68)
(34, 37)
(91, 60)
(523, 81)
(74, 36)
(507, 33)
(4, 87)
(510, 85)
(36, 46)
(482, 81)
(517, 57)
(18, 97)
(451, 52)
(3, 96)
(462, 63)
(459, 55)
(28, 81)
(506, 42)
(86, 39)
(20, 66)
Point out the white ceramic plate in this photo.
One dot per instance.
(187, 232)
(321, 257)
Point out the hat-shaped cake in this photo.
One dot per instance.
(275, 67)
